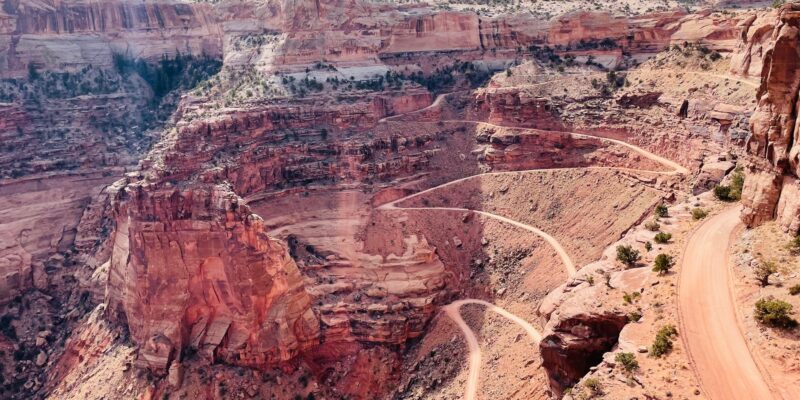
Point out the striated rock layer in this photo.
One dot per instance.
(195, 268)
(770, 191)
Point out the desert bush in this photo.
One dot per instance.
(653, 226)
(648, 246)
(630, 298)
(737, 183)
(663, 263)
(794, 245)
(699, 213)
(593, 384)
(635, 316)
(776, 313)
(765, 269)
(627, 255)
(662, 237)
(663, 342)
(732, 192)
(628, 361)
(722, 192)
(794, 290)
(6, 328)
(662, 211)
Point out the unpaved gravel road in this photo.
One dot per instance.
(709, 327)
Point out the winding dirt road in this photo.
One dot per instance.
(709, 327)
(723, 363)
(568, 264)
(453, 310)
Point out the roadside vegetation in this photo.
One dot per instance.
(732, 192)
(662, 345)
(663, 264)
(628, 256)
(775, 313)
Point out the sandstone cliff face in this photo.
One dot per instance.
(510, 106)
(773, 139)
(577, 342)
(70, 34)
(194, 269)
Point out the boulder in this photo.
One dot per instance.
(760, 197)
(575, 342)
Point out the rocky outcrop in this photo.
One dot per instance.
(573, 343)
(511, 106)
(435, 32)
(74, 34)
(760, 195)
(193, 268)
(39, 218)
(587, 26)
(756, 33)
(773, 140)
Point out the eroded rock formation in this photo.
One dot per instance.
(195, 268)
(773, 140)
(577, 342)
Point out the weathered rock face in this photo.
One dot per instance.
(756, 33)
(576, 343)
(70, 34)
(510, 106)
(773, 140)
(38, 218)
(574, 27)
(193, 268)
(760, 195)
(448, 30)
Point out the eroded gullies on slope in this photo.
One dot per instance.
(253, 237)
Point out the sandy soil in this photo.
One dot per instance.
(778, 351)
(453, 310)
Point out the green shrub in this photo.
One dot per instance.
(662, 237)
(722, 192)
(737, 184)
(663, 263)
(732, 192)
(776, 313)
(648, 246)
(630, 298)
(628, 361)
(593, 384)
(794, 290)
(653, 226)
(765, 269)
(635, 316)
(627, 255)
(794, 245)
(33, 73)
(6, 328)
(699, 213)
(663, 343)
(662, 211)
